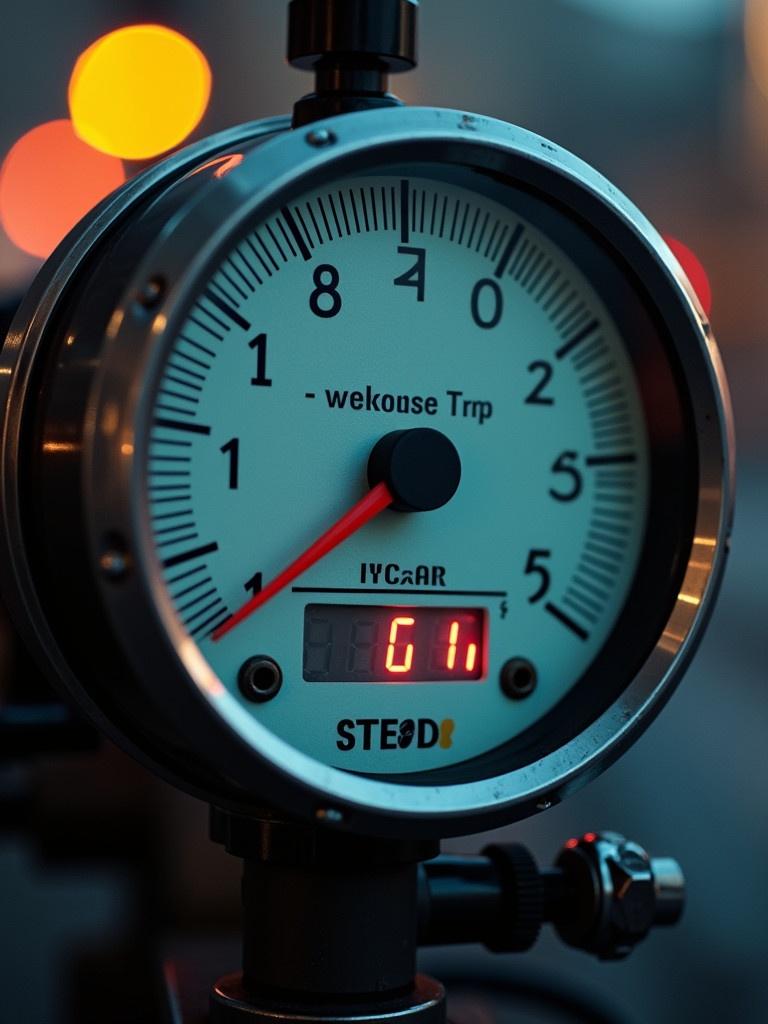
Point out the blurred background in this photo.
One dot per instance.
(102, 868)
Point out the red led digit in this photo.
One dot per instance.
(405, 665)
(453, 644)
(453, 639)
(471, 661)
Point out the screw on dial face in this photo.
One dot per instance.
(259, 678)
(518, 678)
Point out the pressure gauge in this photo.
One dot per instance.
(375, 471)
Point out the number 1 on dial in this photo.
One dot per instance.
(261, 379)
(232, 448)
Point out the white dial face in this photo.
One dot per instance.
(386, 303)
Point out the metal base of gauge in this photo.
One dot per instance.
(231, 1004)
(332, 921)
(513, 994)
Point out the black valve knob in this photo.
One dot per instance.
(604, 895)
(352, 46)
(616, 892)
(523, 898)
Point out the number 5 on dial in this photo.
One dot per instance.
(534, 565)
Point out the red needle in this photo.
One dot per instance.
(375, 501)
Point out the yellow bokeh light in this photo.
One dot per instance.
(139, 91)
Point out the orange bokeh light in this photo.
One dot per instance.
(694, 270)
(139, 91)
(756, 41)
(48, 181)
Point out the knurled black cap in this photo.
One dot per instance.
(523, 898)
(381, 32)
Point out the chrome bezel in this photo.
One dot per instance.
(261, 767)
(25, 346)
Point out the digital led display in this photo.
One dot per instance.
(374, 644)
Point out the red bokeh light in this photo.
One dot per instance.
(48, 181)
(694, 270)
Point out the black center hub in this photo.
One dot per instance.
(421, 468)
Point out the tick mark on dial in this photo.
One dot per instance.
(567, 621)
(185, 556)
(227, 310)
(577, 339)
(621, 459)
(202, 628)
(293, 227)
(506, 256)
(405, 202)
(192, 428)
